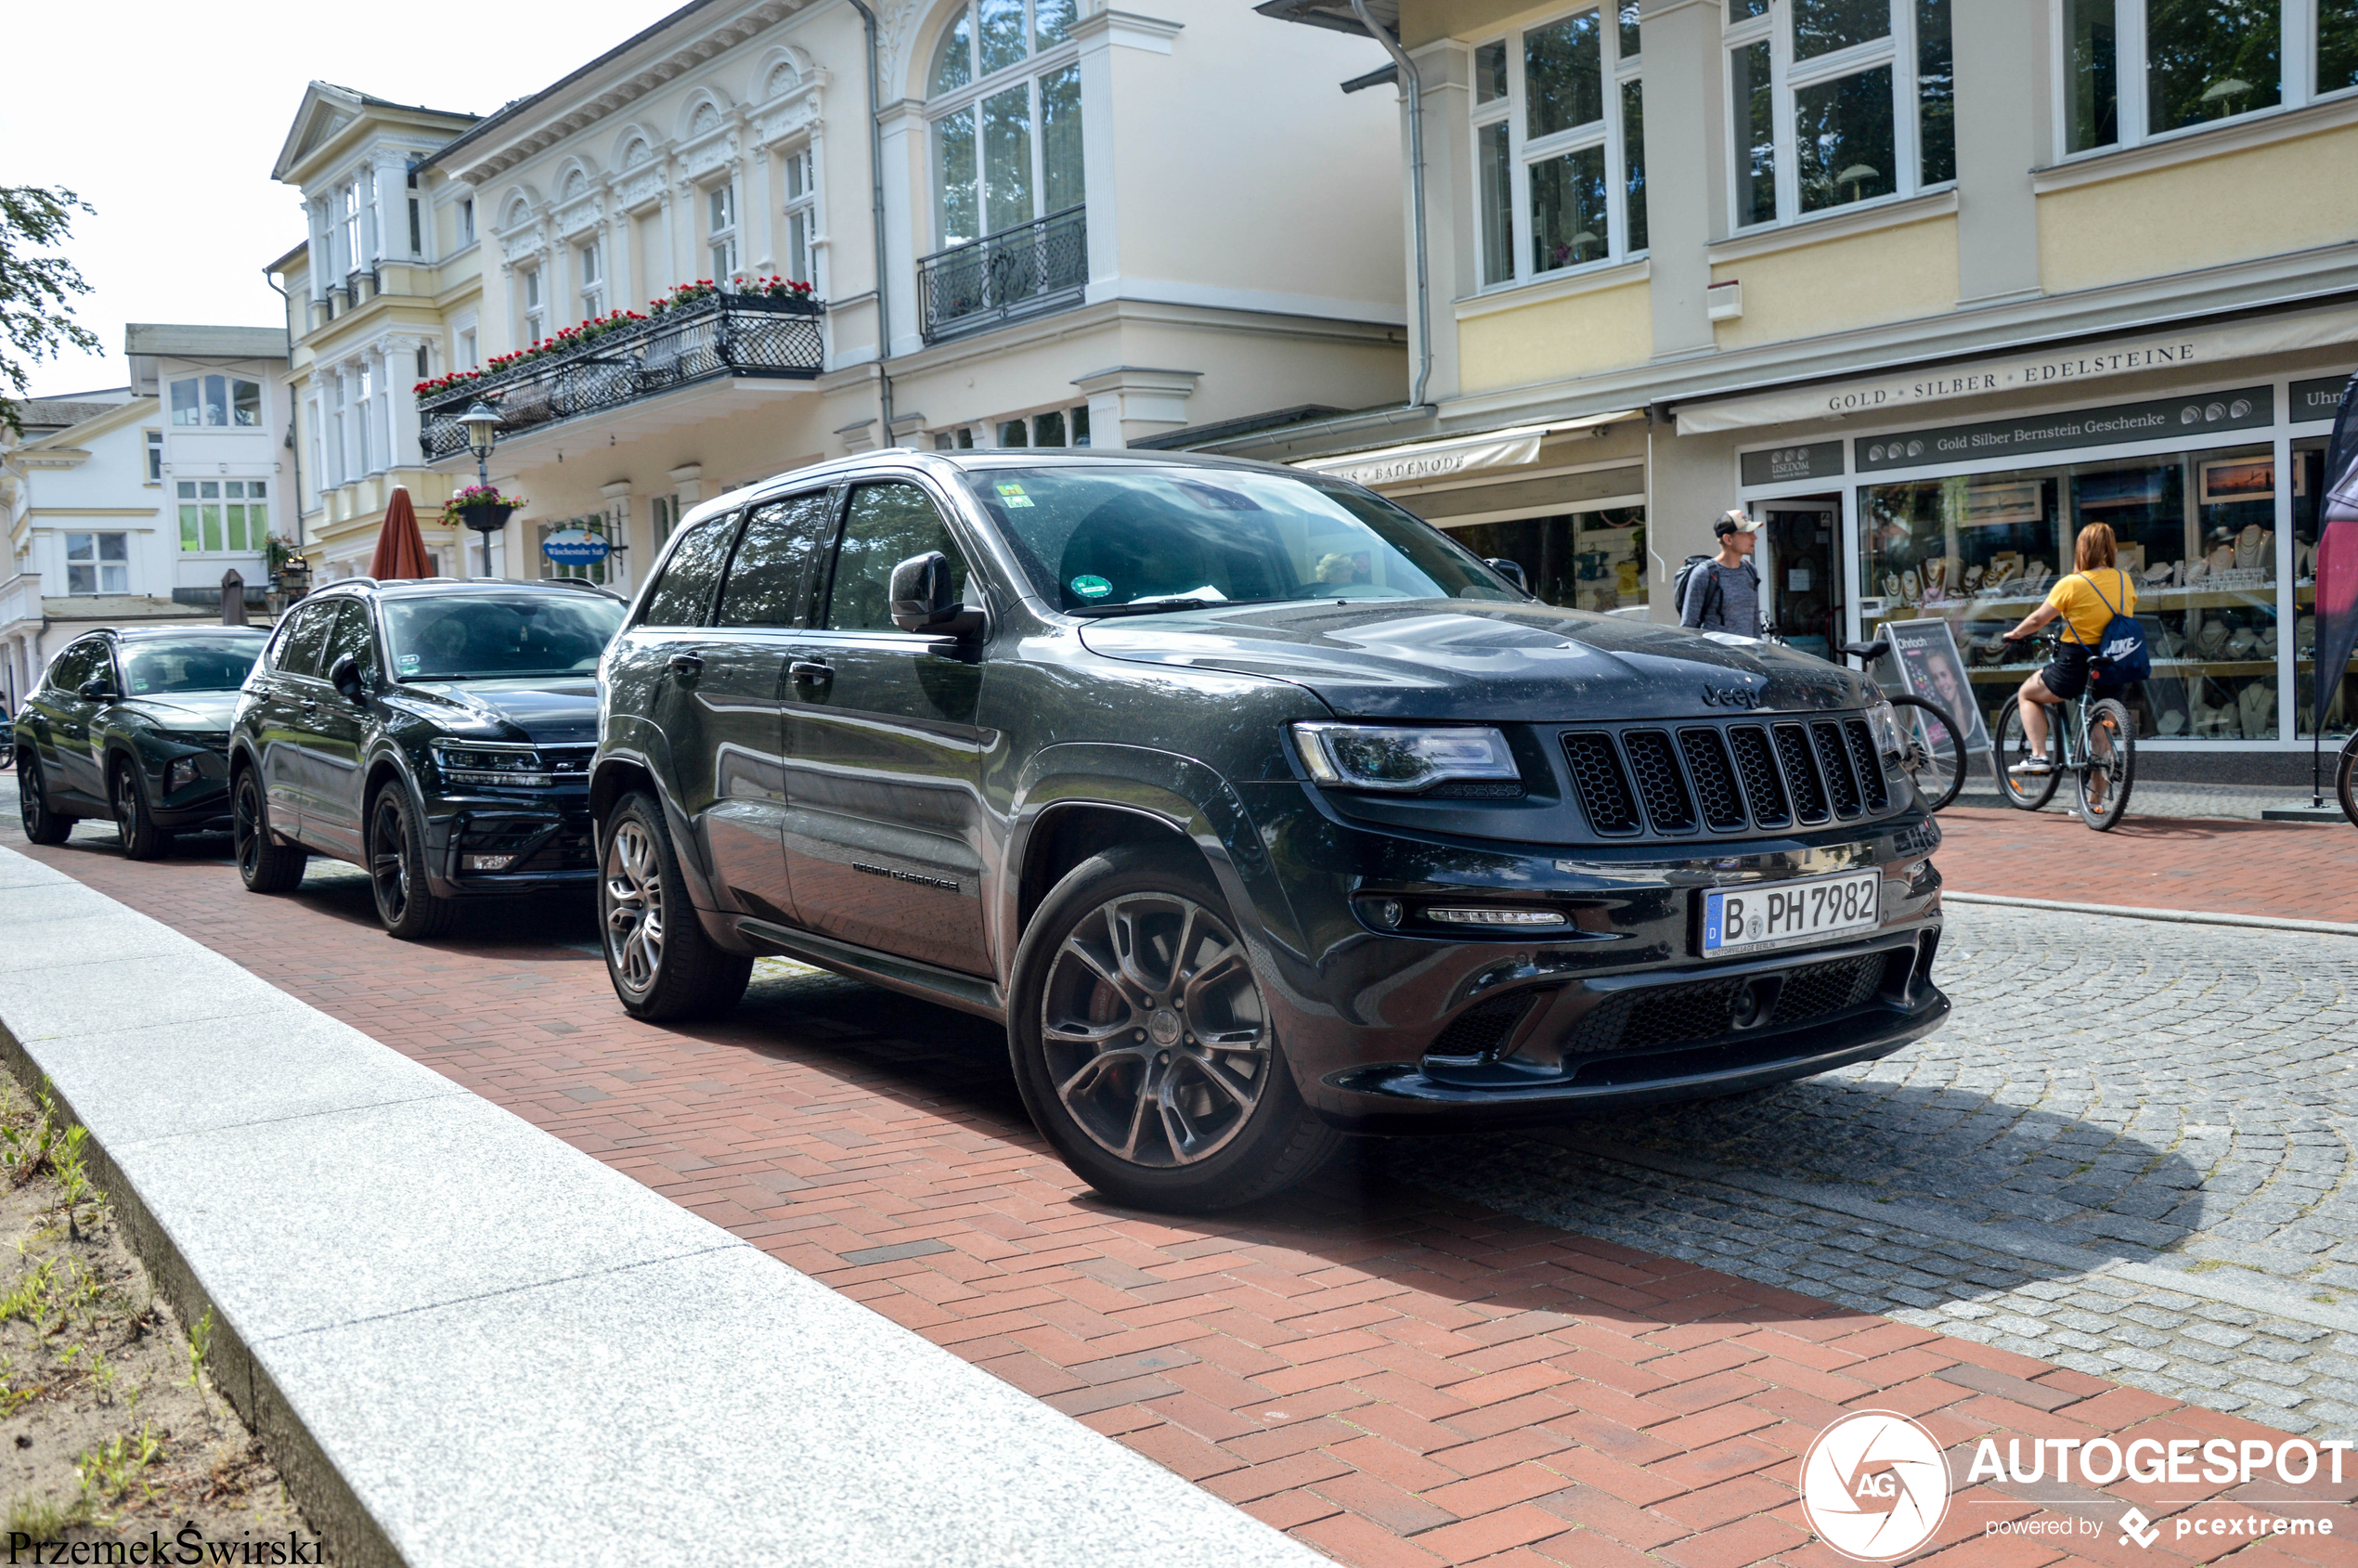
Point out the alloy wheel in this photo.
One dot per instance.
(126, 804)
(634, 905)
(29, 801)
(245, 825)
(1154, 1030)
(388, 866)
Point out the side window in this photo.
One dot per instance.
(887, 525)
(77, 664)
(299, 655)
(684, 592)
(350, 636)
(769, 575)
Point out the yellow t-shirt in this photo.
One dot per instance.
(2075, 595)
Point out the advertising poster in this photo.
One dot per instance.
(1930, 666)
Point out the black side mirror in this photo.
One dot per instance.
(922, 601)
(345, 676)
(98, 689)
(1511, 570)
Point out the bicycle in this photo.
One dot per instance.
(1935, 741)
(2095, 742)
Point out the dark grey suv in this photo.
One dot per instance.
(1256, 808)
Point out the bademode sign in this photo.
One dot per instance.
(1876, 1486)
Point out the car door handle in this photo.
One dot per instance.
(811, 672)
(686, 664)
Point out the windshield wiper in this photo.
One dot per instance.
(1154, 606)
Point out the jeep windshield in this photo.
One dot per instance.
(156, 666)
(1129, 537)
(469, 636)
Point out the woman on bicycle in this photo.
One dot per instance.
(2087, 599)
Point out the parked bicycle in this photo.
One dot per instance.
(1935, 741)
(2092, 740)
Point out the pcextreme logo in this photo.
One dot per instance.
(1874, 1486)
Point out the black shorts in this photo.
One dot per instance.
(2067, 674)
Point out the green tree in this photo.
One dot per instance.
(36, 290)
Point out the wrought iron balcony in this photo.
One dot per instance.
(721, 335)
(1029, 270)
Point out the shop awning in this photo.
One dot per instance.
(2029, 369)
(1423, 461)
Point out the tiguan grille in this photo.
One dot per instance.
(1726, 778)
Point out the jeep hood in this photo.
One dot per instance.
(1512, 663)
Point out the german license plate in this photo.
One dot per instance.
(1779, 913)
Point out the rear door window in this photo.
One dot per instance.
(350, 636)
(77, 664)
(299, 655)
(885, 525)
(682, 596)
(771, 575)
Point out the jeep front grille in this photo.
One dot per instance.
(1725, 778)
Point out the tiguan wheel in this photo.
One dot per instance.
(134, 824)
(1144, 1046)
(406, 902)
(265, 866)
(663, 965)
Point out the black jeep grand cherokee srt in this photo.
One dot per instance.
(1256, 809)
(438, 732)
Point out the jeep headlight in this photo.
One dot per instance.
(1891, 740)
(1399, 758)
(482, 762)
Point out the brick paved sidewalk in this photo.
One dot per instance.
(2294, 871)
(1391, 1376)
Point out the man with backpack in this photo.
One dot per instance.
(1722, 592)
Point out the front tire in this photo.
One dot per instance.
(1144, 1046)
(2010, 744)
(407, 905)
(664, 969)
(43, 824)
(265, 866)
(134, 824)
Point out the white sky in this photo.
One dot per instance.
(167, 118)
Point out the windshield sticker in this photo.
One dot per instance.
(1012, 494)
(1090, 588)
(138, 683)
(408, 663)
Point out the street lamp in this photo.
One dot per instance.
(481, 421)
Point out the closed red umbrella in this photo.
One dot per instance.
(401, 549)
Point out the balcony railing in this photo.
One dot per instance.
(1040, 267)
(719, 335)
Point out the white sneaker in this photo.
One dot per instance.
(2032, 767)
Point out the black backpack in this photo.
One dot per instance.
(1685, 575)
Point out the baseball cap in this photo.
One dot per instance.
(1734, 522)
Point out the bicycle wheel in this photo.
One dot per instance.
(1935, 750)
(2346, 779)
(2010, 745)
(2101, 787)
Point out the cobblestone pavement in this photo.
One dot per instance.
(2301, 871)
(2130, 1153)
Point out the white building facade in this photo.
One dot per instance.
(134, 511)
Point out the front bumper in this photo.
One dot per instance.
(539, 841)
(190, 790)
(1408, 1028)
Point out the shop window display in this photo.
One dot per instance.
(2196, 532)
(1586, 560)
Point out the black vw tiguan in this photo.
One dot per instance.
(438, 732)
(1255, 808)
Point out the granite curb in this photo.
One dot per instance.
(465, 1342)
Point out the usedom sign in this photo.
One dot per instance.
(575, 546)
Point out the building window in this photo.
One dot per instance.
(320, 475)
(593, 283)
(425, 362)
(1834, 102)
(662, 513)
(1580, 559)
(535, 316)
(97, 563)
(216, 400)
(2204, 60)
(1005, 108)
(155, 457)
(802, 212)
(218, 515)
(467, 221)
(1558, 144)
(721, 231)
(469, 356)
